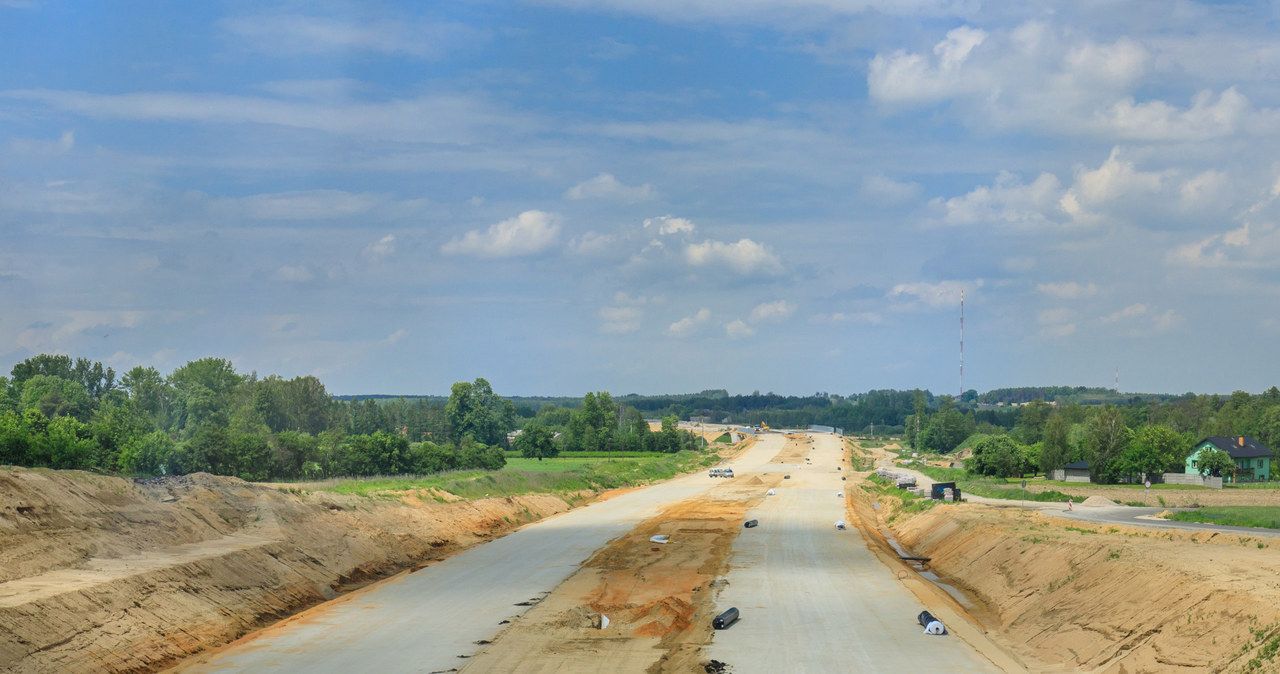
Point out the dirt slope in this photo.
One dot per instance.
(1109, 599)
(102, 574)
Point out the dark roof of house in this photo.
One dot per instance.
(1252, 449)
(1078, 465)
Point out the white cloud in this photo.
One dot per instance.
(1007, 202)
(593, 243)
(381, 248)
(396, 336)
(310, 35)
(1206, 119)
(1059, 330)
(668, 224)
(1202, 190)
(1139, 320)
(746, 257)
(1114, 179)
(737, 329)
(605, 186)
(931, 295)
(909, 78)
(689, 324)
(772, 311)
(294, 274)
(1128, 312)
(529, 233)
(1068, 291)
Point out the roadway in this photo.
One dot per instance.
(815, 599)
(430, 620)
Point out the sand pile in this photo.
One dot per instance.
(1099, 502)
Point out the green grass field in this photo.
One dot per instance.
(530, 476)
(1261, 517)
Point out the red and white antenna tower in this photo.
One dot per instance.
(961, 344)
(1117, 379)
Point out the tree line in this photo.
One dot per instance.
(61, 412)
(1121, 442)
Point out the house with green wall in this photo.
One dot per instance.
(1253, 459)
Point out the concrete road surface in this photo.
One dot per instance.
(423, 622)
(814, 599)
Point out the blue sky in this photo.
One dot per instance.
(647, 196)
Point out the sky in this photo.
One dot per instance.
(647, 196)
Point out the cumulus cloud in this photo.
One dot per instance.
(1008, 201)
(738, 329)
(746, 257)
(1139, 319)
(529, 233)
(396, 336)
(668, 224)
(921, 295)
(605, 186)
(381, 248)
(689, 324)
(593, 243)
(910, 78)
(772, 312)
(1068, 291)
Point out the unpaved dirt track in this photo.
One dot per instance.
(423, 622)
(814, 599)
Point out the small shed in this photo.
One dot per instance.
(1072, 472)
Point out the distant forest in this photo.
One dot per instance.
(205, 416)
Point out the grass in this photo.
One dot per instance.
(1259, 517)
(525, 476)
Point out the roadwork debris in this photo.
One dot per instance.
(931, 624)
(661, 538)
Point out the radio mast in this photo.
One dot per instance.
(962, 345)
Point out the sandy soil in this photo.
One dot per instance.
(108, 574)
(658, 597)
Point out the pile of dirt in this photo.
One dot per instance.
(1108, 598)
(1099, 502)
(109, 574)
(659, 598)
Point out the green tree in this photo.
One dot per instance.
(536, 442)
(1107, 437)
(997, 455)
(1155, 449)
(56, 397)
(474, 409)
(205, 391)
(1216, 463)
(150, 394)
(948, 428)
(147, 455)
(1034, 417)
(1055, 451)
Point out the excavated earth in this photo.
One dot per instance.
(106, 574)
(1066, 596)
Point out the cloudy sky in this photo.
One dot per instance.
(647, 196)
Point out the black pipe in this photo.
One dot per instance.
(725, 619)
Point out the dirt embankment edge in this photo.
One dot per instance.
(1065, 596)
(105, 574)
